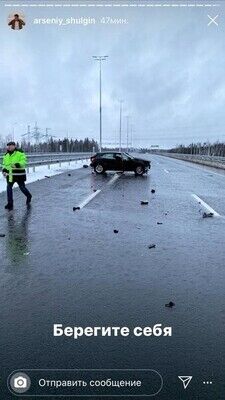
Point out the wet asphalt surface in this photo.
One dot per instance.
(60, 266)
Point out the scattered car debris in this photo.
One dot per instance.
(2, 235)
(153, 191)
(171, 304)
(207, 215)
(85, 166)
(152, 246)
(116, 231)
(144, 202)
(159, 223)
(46, 176)
(76, 208)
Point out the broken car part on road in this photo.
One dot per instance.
(207, 215)
(171, 304)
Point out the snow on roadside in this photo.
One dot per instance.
(42, 171)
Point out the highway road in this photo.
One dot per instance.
(69, 267)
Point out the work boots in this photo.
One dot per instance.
(9, 207)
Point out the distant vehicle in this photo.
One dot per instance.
(119, 161)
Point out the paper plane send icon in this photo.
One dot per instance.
(185, 380)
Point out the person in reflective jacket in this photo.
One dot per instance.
(13, 168)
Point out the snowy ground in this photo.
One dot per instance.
(42, 171)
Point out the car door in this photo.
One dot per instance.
(109, 161)
(128, 162)
(119, 162)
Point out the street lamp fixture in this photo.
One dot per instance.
(100, 59)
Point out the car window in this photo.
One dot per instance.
(109, 156)
(126, 157)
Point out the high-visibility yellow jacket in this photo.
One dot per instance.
(14, 164)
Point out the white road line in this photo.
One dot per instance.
(89, 198)
(113, 179)
(207, 207)
(166, 171)
(93, 195)
(200, 167)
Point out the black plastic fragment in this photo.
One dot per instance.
(207, 215)
(171, 304)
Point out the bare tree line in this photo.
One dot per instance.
(206, 148)
(54, 145)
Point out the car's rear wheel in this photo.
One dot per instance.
(99, 169)
(139, 170)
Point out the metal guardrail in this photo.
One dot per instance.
(43, 156)
(214, 161)
(197, 157)
(59, 161)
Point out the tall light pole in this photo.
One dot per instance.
(100, 59)
(120, 136)
(128, 118)
(131, 135)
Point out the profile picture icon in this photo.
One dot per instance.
(16, 21)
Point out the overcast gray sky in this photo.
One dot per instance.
(167, 65)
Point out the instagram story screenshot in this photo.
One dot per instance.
(112, 199)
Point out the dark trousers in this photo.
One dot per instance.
(22, 187)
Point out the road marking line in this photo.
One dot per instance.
(166, 170)
(200, 167)
(113, 179)
(93, 195)
(89, 198)
(210, 209)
